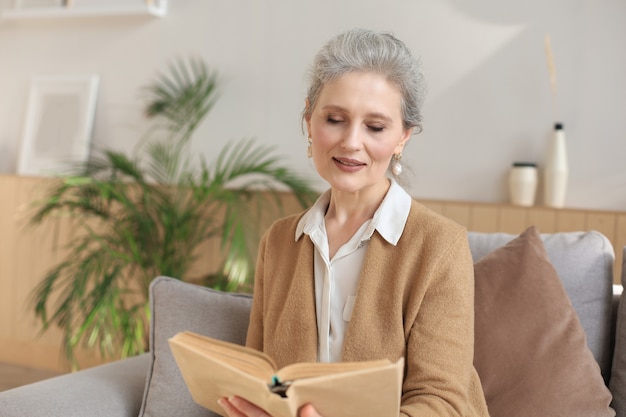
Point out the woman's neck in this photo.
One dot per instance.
(347, 212)
(360, 204)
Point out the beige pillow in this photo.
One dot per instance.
(530, 349)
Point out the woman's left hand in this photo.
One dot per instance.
(238, 407)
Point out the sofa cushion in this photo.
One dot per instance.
(618, 375)
(178, 306)
(530, 349)
(584, 262)
(113, 389)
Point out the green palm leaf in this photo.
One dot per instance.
(147, 215)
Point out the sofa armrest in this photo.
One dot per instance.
(111, 390)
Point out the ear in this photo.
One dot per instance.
(406, 135)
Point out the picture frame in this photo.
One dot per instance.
(58, 124)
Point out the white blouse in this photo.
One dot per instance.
(336, 280)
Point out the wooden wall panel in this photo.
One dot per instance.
(603, 223)
(433, 205)
(7, 233)
(544, 219)
(513, 219)
(26, 254)
(618, 244)
(570, 220)
(485, 219)
(461, 213)
(27, 243)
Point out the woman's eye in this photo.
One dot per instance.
(376, 128)
(333, 120)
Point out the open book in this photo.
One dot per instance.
(213, 369)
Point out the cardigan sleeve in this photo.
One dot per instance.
(439, 355)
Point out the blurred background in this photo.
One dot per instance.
(489, 101)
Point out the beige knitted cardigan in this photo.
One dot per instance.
(414, 300)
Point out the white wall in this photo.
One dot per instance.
(489, 101)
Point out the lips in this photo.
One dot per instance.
(348, 166)
(349, 162)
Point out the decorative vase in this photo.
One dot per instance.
(523, 183)
(556, 170)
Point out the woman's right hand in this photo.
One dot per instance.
(308, 411)
(238, 407)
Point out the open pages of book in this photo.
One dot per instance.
(215, 369)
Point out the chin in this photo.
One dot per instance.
(350, 186)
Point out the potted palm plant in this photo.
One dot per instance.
(148, 214)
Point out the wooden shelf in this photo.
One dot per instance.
(506, 218)
(86, 11)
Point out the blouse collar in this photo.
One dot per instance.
(389, 219)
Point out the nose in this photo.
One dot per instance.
(351, 140)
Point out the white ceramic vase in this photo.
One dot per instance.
(523, 183)
(556, 170)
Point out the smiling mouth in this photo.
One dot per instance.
(349, 162)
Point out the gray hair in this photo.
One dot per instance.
(361, 50)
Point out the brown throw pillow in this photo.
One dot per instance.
(530, 349)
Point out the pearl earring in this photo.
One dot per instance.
(309, 150)
(396, 167)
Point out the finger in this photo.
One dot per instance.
(308, 411)
(230, 409)
(246, 408)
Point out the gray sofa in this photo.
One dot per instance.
(149, 384)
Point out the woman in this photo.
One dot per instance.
(367, 272)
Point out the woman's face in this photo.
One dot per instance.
(355, 128)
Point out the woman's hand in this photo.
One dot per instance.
(308, 411)
(238, 407)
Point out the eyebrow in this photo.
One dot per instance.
(375, 115)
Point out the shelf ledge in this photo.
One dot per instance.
(54, 13)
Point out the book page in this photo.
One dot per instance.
(248, 360)
(314, 369)
(213, 369)
(371, 392)
(209, 379)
